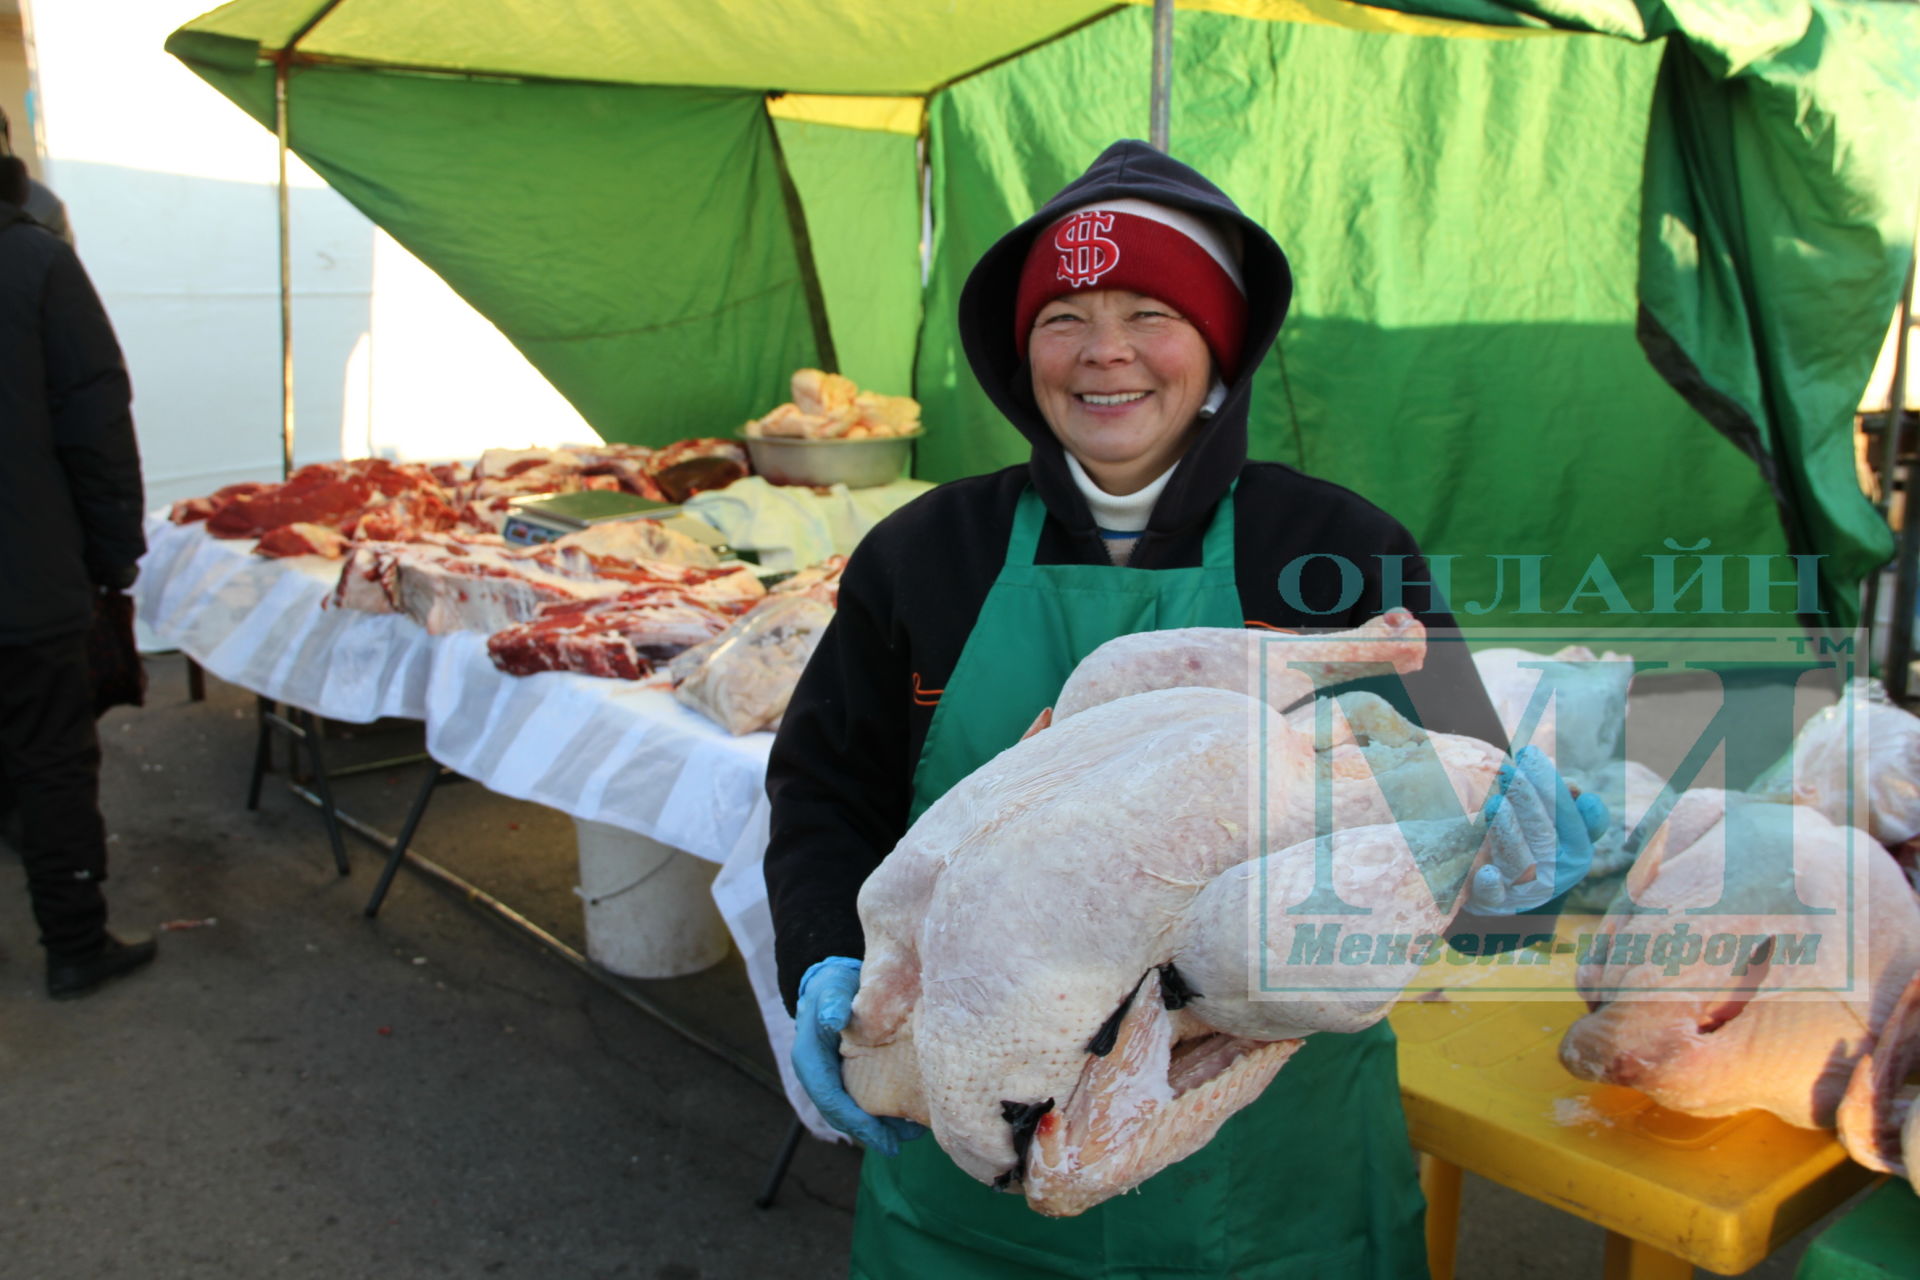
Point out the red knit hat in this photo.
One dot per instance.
(1145, 248)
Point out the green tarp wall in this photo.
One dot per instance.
(1603, 287)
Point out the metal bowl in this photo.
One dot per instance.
(858, 464)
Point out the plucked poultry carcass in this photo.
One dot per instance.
(1858, 762)
(1065, 954)
(827, 406)
(1879, 1117)
(1770, 1007)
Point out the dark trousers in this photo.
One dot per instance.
(50, 759)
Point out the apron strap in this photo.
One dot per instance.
(1030, 515)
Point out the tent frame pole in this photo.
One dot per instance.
(1907, 575)
(286, 265)
(1160, 110)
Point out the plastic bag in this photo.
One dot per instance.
(1883, 743)
(743, 678)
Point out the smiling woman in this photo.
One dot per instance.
(1118, 329)
(1121, 378)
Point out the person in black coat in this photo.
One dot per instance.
(70, 519)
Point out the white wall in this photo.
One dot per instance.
(170, 189)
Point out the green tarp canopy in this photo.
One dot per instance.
(1587, 289)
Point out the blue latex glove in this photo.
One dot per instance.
(1535, 821)
(826, 1000)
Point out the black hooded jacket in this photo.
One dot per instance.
(70, 492)
(841, 773)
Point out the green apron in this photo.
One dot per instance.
(1315, 1179)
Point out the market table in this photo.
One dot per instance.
(258, 624)
(1484, 1091)
(610, 752)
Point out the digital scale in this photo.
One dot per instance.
(543, 517)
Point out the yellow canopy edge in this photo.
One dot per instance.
(882, 115)
(1356, 17)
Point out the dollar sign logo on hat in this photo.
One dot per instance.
(1085, 252)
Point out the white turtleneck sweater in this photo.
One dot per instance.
(1121, 518)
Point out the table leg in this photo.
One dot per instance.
(398, 853)
(309, 728)
(1441, 1183)
(1630, 1259)
(196, 682)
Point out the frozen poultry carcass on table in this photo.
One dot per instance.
(1061, 952)
(1768, 1018)
(1858, 761)
(1879, 1117)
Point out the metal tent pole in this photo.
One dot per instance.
(1891, 443)
(1159, 113)
(1907, 576)
(286, 266)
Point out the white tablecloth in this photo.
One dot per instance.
(258, 623)
(624, 754)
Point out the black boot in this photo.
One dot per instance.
(71, 979)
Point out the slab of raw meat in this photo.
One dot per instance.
(329, 493)
(189, 510)
(1035, 944)
(302, 540)
(485, 588)
(406, 517)
(629, 541)
(696, 466)
(498, 464)
(820, 579)
(620, 638)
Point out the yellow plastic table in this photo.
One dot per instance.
(1484, 1091)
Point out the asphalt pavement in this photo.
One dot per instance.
(294, 1090)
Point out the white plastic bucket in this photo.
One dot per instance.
(649, 906)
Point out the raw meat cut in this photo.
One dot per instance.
(490, 591)
(478, 583)
(621, 638)
(405, 517)
(302, 540)
(499, 464)
(1064, 955)
(639, 540)
(688, 467)
(1770, 1021)
(188, 510)
(329, 493)
(820, 579)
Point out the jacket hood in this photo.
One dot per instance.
(14, 182)
(1127, 169)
